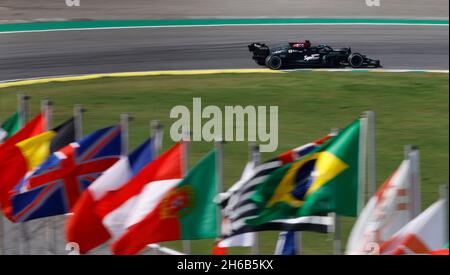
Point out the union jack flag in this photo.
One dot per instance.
(54, 187)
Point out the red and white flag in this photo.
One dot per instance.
(385, 213)
(85, 227)
(420, 236)
(124, 207)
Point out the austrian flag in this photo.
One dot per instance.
(123, 208)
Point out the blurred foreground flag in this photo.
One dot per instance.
(422, 235)
(55, 186)
(176, 210)
(10, 126)
(326, 180)
(122, 208)
(287, 243)
(25, 150)
(237, 205)
(442, 251)
(36, 126)
(217, 250)
(85, 227)
(385, 213)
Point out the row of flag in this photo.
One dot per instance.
(388, 225)
(140, 198)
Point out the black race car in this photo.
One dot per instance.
(302, 54)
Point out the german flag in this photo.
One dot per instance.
(27, 149)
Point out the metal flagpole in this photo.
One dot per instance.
(362, 161)
(23, 107)
(412, 153)
(46, 109)
(78, 111)
(337, 238)
(23, 228)
(371, 156)
(444, 195)
(255, 158)
(299, 242)
(186, 148)
(157, 132)
(219, 180)
(124, 127)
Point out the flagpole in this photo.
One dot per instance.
(337, 238)
(23, 108)
(124, 127)
(157, 133)
(371, 155)
(78, 111)
(219, 180)
(412, 153)
(186, 148)
(444, 195)
(299, 240)
(46, 109)
(255, 158)
(124, 133)
(363, 162)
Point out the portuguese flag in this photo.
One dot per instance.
(184, 212)
(10, 126)
(326, 180)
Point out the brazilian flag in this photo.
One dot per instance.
(325, 180)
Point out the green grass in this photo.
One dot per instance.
(411, 108)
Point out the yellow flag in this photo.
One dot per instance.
(36, 149)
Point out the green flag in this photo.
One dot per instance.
(325, 180)
(10, 126)
(199, 221)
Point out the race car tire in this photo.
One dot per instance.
(274, 62)
(356, 60)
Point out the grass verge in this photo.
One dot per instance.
(411, 108)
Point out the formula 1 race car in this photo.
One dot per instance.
(302, 54)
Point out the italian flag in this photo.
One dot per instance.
(174, 210)
(10, 126)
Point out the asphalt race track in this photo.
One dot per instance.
(27, 55)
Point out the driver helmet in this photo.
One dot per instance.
(307, 44)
